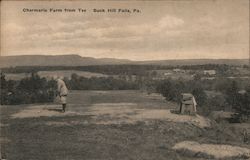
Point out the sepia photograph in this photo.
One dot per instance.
(125, 80)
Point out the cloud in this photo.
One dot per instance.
(163, 31)
(170, 22)
(104, 28)
(13, 28)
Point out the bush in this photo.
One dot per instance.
(172, 89)
(239, 101)
(29, 90)
(232, 94)
(200, 95)
(243, 104)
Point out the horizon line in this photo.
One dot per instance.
(124, 58)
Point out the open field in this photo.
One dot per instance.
(68, 73)
(16, 76)
(51, 74)
(118, 125)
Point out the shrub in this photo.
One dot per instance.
(172, 89)
(29, 90)
(240, 102)
(200, 95)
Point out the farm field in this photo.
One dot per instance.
(50, 74)
(16, 76)
(124, 125)
(68, 73)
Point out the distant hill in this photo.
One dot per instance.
(197, 62)
(76, 60)
(58, 60)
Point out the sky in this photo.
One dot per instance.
(157, 30)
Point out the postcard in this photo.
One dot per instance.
(132, 79)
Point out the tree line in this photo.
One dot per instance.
(35, 89)
(125, 69)
(99, 83)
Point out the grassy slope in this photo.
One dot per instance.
(30, 138)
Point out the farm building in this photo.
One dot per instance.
(242, 92)
(177, 70)
(167, 73)
(210, 72)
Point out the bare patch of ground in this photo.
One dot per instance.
(41, 111)
(99, 92)
(68, 123)
(115, 113)
(217, 151)
(129, 113)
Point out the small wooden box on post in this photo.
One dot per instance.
(188, 104)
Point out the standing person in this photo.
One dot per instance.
(62, 91)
